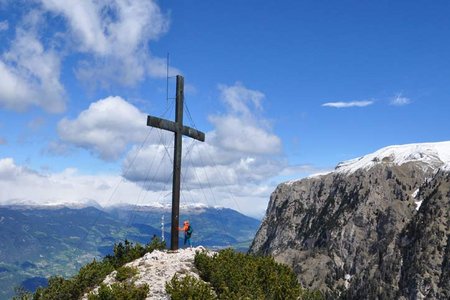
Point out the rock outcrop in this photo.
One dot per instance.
(378, 227)
(158, 267)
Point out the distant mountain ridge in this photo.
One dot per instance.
(41, 241)
(376, 227)
(91, 203)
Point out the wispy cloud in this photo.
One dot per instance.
(110, 37)
(29, 75)
(241, 100)
(36, 123)
(4, 25)
(115, 36)
(342, 104)
(399, 100)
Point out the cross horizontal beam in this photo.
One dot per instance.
(175, 127)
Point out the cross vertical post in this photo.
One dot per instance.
(177, 163)
(179, 129)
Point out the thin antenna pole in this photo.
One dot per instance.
(162, 228)
(167, 80)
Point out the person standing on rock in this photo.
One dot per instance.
(187, 233)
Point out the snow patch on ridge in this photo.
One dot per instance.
(319, 174)
(418, 204)
(417, 201)
(290, 182)
(446, 168)
(435, 155)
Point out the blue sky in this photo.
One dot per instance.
(283, 89)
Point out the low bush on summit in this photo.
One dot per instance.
(122, 291)
(124, 273)
(94, 273)
(127, 252)
(189, 288)
(239, 276)
(233, 275)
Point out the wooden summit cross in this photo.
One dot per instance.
(179, 129)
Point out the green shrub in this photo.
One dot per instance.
(311, 295)
(124, 253)
(89, 276)
(124, 273)
(95, 272)
(22, 294)
(92, 274)
(155, 244)
(120, 291)
(127, 252)
(189, 288)
(240, 276)
(58, 288)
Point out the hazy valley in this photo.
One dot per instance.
(38, 242)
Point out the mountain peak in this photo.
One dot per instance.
(378, 233)
(158, 267)
(434, 155)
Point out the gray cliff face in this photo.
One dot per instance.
(359, 235)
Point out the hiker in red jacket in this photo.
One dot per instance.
(187, 233)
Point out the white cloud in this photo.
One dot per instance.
(152, 167)
(348, 104)
(240, 154)
(14, 92)
(105, 128)
(4, 25)
(239, 98)
(242, 129)
(399, 100)
(113, 37)
(57, 148)
(116, 34)
(8, 170)
(109, 125)
(223, 171)
(242, 183)
(111, 27)
(20, 185)
(237, 134)
(250, 199)
(29, 75)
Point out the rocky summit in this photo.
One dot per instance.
(157, 268)
(377, 227)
